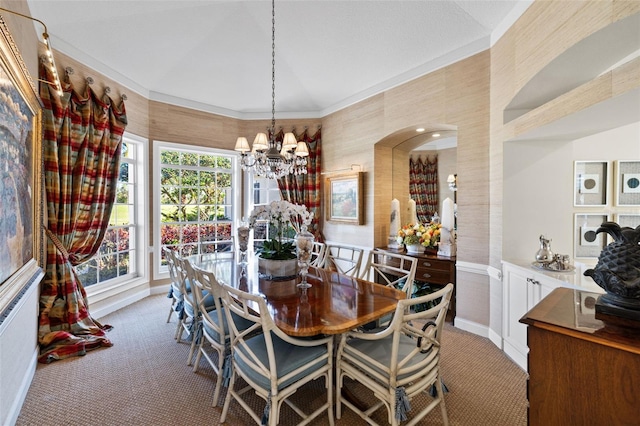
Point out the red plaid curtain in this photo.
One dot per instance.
(423, 186)
(305, 189)
(82, 143)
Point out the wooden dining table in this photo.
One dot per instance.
(335, 303)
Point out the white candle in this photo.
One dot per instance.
(413, 216)
(448, 219)
(395, 218)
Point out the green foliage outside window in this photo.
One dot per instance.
(196, 201)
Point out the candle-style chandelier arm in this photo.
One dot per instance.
(268, 157)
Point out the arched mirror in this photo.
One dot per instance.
(435, 145)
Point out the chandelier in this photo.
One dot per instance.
(268, 157)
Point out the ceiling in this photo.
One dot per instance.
(215, 55)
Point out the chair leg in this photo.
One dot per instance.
(274, 411)
(178, 335)
(199, 350)
(227, 401)
(170, 313)
(192, 349)
(216, 392)
(330, 397)
(443, 408)
(338, 394)
(391, 413)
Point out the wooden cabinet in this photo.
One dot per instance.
(435, 270)
(582, 371)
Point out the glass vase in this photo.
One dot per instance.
(304, 247)
(243, 240)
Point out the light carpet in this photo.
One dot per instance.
(144, 380)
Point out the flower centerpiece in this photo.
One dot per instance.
(417, 237)
(283, 217)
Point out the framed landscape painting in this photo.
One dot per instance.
(344, 198)
(20, 177)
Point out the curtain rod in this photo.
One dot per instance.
(89, 80)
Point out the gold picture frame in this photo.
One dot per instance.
(21, 213)
(344, 198)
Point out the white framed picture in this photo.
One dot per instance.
(587, 243)
(629, 220)
(590, 183)
(628, 182)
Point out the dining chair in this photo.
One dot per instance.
(344, 259)
(397, 364)
(318, 253)
(273, 364)
(218, 246)
(391, 269)
(175, 293)
(214, 331)
(190, 324)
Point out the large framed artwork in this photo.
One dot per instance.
(21, 234)
(344, 198)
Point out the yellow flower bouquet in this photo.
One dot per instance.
(426, 235)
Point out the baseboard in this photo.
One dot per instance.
(495, 338)
(161, 289)
(21, 395)
(515, 355)
(471, 327)
(119, 303)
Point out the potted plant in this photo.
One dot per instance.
(277, 257)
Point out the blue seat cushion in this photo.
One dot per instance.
(288, 358)
(187, 285)
(380, 350)
(209, 304)
(241, 324)
(175, 289)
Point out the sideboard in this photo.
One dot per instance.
(582, 371)
(435, 270)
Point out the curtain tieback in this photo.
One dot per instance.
(56, 242)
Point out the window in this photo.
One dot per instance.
(195, 206)
(120, 256)
(264, 191)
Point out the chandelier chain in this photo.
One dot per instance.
(278, 159)
(273, 70)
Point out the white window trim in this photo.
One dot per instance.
(95, 291)
(158, 271)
